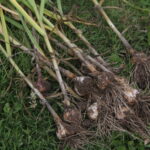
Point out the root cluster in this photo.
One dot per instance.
(111, 105)
(141, 73)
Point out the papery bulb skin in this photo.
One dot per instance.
(83, 85)
(92, 111)
(43, 86)
(72, 115)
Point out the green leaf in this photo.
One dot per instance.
(1, 1)
(5, 33)
(14, 22)
(136, 7)
(33, 40)
(33, 4)
(42, 6)
(26, 131)
(59, 6)
(1, 122)
(27, 17)
(116, 142)
(121, 148)
(18, 107)
(26, 3)
(115, 58)
(6, 108)
(148, 35)
(141, 147)
(130, 143)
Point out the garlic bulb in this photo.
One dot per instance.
(92, 111)
(72, 115)
(131, 94)
(83, 85)
(61, 132)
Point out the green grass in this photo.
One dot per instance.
(19, 127)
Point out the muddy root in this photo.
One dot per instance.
(141, 73)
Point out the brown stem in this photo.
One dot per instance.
(44, 102)
(45, 60)
(129, 48)
(60, 81)
(51, 73)
(72, 67)
(76, 50)
(102, 67)
(38, 69)
(101, 2)
(83, 38)
(86, 59)
(91, 48)
(79, 52)
(58, 44)
(67, 73)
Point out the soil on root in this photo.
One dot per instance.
(142, 107)
(141, 73)
(110, 105)
(113, 107)
(77, 137)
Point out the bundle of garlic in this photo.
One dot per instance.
(95, 100)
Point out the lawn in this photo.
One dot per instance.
(25, 127)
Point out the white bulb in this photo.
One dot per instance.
(92, 111)
(131, 94)
(62, 132)
(80, 79)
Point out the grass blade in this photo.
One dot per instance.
(34, 42)
(14, 22)
(136, 7)
(5, 33)
(27, 17)
(59, 7)
(42, 6)
(44, 101)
